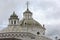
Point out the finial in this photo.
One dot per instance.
(43, 25)
(13, 12)
(27, 5)
(56, 37)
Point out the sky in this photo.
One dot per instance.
(46, 12)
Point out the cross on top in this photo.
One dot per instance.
(27, 4)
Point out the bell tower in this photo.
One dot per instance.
(13, 20)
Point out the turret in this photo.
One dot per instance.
(13, 20)
(27, 14)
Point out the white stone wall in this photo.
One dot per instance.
(32, 29)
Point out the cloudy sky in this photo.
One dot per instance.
(44, 11)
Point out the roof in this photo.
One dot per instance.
(13, 16)
(28, 11)
(30, 22)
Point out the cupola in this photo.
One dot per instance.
(27, 14)
(13, 20)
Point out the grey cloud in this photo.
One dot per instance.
(53, 30)
(50, 8)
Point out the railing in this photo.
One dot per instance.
(16, 34)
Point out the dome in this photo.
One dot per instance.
(13, 16)
(30, 22)
(27, 11)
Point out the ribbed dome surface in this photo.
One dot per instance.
(30, 22)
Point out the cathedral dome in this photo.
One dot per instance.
(31, 22)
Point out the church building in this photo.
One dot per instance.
(25, 29)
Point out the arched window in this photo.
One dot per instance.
(11, 22)
(15, 22)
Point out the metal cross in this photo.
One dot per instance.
(27, 4)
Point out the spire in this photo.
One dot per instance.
(29, 16)
(13, 16)
(13, 12)
(27, 5)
